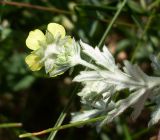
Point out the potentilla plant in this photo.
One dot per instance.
(54, 50)
(57, 52)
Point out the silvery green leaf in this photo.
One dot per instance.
(99, 108)
(155, 98)
(51, 51)
(58, 71)
(104, 58)
(104, 104)
(76, 47)
(120, 80)
(84, 115)
(49, 64)
(88, 76)
(102, 83)
(132, 78)
(155, 63)
(155, 117)
(123, 104)
(135, 72)
(139, 105)
(95, 88)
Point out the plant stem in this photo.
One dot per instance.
(7, 125)
(141, 132)
(58, 123)
(88, 65)
(154, 4)
(126, 132)
(62, 115)
(62, 127)
(142, 35)
(37, 7)
(102, 41)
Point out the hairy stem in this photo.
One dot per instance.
(88, 65)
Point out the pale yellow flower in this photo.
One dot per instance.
(33, 62)
(36, 40)
(56, 29)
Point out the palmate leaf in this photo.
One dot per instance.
(93, 89)
(101, 107)
(135, 72)
(135, 100)
(141, 86)
(132, 77)
(104, 59)
(88, 76)
(122, 105)
(155, 117)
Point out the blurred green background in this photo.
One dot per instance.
(36, 100)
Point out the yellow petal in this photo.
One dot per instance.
(34, 38)
(32, 61)
(70, 40)
(56, 29)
